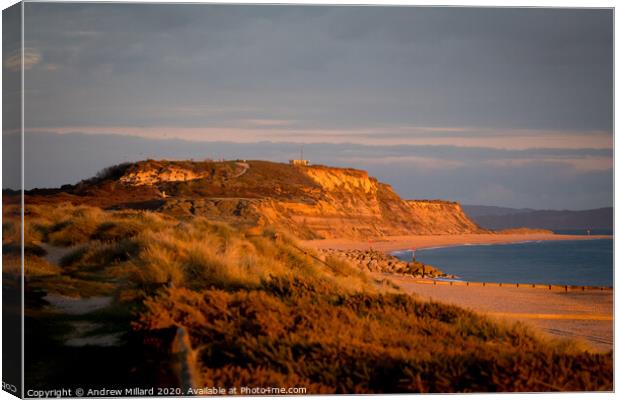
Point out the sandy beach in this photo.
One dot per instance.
(391, 243)
(582, 315)
(586, 316)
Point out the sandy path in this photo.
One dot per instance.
(55, 253)
(583, 315)
(81, 330)
(392, 243)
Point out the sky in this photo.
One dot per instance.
(508, 107)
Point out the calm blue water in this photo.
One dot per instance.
(579, 262)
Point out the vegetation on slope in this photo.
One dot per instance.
(308, 202)
(303, 333)
(261, 312)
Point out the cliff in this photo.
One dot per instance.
(349, 203)
(442, 216)
(309, 202)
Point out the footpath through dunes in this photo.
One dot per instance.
(584, 315)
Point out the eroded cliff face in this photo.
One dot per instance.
(309, 202)
(155, 176)
(154, 173)
(352, 204)
(341, 179)
(443, 216)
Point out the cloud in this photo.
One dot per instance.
(32, 57)
(441, 102)
(283, 130)
(51, 67)
(535, 178)
(270, 122)
(586, 163)
(538, 185)
(426, 163)
(420, 73)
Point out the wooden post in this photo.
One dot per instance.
(517, 285)
(566, 288)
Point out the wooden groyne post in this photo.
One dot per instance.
(564, 288)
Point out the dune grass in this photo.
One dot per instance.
(296, 332)
(261, 311)
(150, 249)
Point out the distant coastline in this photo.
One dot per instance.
(418, 242)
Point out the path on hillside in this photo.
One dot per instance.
(244, 168)
(582, 315)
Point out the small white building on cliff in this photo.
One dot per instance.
(302, 163)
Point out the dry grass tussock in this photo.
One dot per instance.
(151, 249)
(199, 254)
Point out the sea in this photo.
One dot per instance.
(570, 262)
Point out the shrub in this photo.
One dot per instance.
(113, 172)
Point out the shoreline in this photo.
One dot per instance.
(419, 242)
(584, 314)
